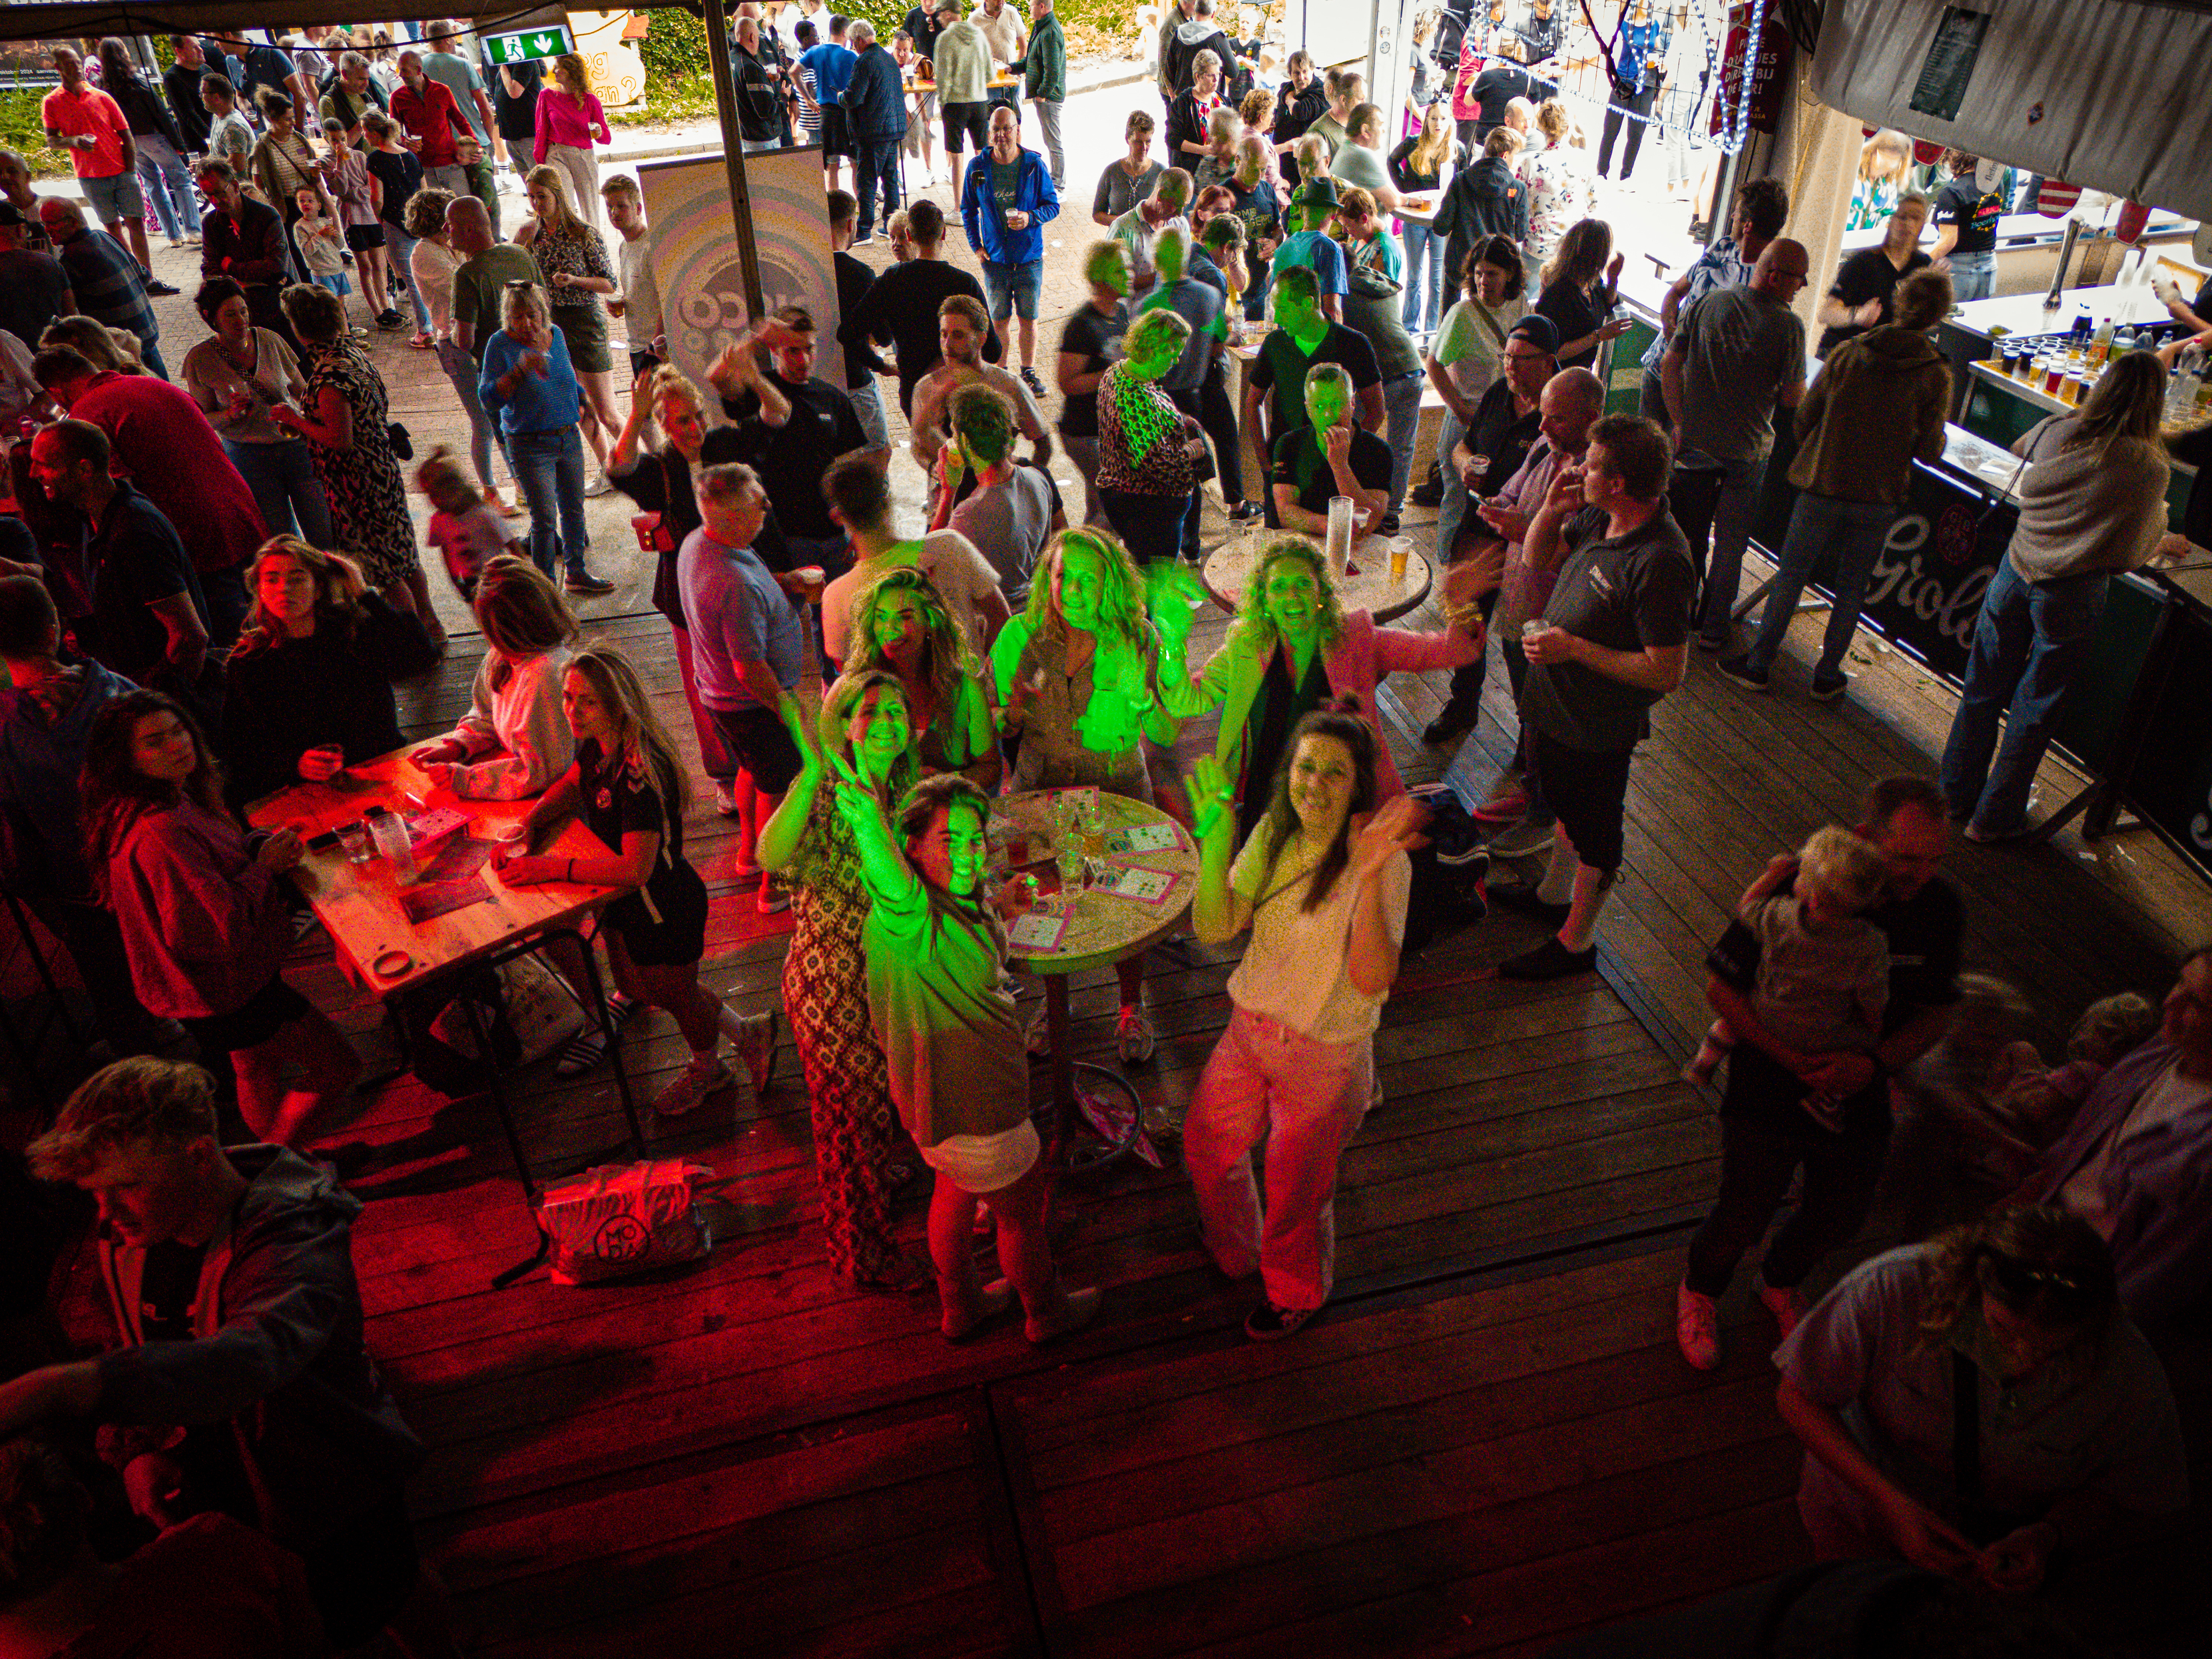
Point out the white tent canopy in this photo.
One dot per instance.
(2105, 94)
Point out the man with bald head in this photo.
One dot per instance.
(488, 265)
(1736, 355)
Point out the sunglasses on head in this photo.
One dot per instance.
(2020, 1283)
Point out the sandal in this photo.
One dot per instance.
(589, 1046)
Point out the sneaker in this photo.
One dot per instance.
(155, 285)
(1269, 1323)
(775, 897)
(1696, 1327)
(583, 582)
(589, 1046)
(1388, 525)
(1826, 690)
(692, 1087)
(598, 486)
(390, 319)
(1714, 647)
(1471, 855)
(1033, 381)
(756, 1051)
(1455, 717)
(1788, 1307)
(1740, 670)
(1428, 493)
(1550, 960)
(1523, 838)
(1508, 806)
(864, 238)
(725, 797)
(1133, 1036)
(1037, 1039)
(1245, 512)
(1524, 899)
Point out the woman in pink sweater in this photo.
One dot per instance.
(569, 118)
(1295, 649)
(204, 924)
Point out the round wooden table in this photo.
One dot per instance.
(1366, 586)
(1099, 930)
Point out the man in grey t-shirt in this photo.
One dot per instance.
(1737, 354)
(1010, 514)
(1613, 642)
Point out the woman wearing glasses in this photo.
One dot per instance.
(2070, 1422)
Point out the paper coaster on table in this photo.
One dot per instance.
(1134, 882)
(421, 903)
(1144, 838)
(1037, 931)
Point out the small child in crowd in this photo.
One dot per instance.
(321, 242)
(1823, 971)
(467, 530)
(2030, 1103)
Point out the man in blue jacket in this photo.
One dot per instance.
(1005, 202)
(875, 114)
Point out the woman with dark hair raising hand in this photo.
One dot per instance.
(1322, 882)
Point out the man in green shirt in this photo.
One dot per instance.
(1044, 70)
(480, 284)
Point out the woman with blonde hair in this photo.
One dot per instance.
(1078, 676)
(1581, 286)
(310, 679)
(572, 257)
(865, 729)
(528, 385)
(2092, 504)
(900, 624)
(569, 117)
(115, 349)
(1422, 166)
(659, 482)
(628, 785)
(1558, 178)
(1885, 167)
(513, 741)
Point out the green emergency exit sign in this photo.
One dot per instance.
(532, 45)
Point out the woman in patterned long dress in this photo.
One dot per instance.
(825, 982)
(1078, 676)
(572, 256)
(347, 423)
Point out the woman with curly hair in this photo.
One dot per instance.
(865, 725)
(1323, 882)
(204, 924)
(901, 625)
(629, 785)
(2004, 1339)
(1581, 285)
(1295, 649)
(1077, 676)
(310, 678)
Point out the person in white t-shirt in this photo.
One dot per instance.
(639, 303)
(1323, 884)
(860, 499)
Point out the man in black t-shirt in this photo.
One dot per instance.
(1614, 640)
(1867, 279)
(790, 426)
(1093, 327)
(1967, 228)
(901, 307)
(1329, 456)
(514, 89)
(1765, 1132)
(862, 364)
(1302, 337)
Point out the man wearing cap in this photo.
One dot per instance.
(35, 289)
(1615, 639)
(1507, 421)
(1310, 245)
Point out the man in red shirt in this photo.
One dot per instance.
(173, 456)
(434, 125)
(81, 119)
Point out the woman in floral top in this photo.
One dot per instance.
(1078, 676)
(1559, 181)
(572, 257)
(1146, 479)
(825, 982)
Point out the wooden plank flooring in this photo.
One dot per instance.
(1488, 1443)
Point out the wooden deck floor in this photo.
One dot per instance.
(1488, 1443)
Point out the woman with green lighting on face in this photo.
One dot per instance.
(902, 626)
(1077, 677)
(1323, 884)
(1147, 447)
(866, 726)
(936, 975)
(1295, 649)
(1084, 360)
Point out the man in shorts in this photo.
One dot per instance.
(81, 119)
(1005, 201)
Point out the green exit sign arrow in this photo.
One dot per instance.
(532, 45)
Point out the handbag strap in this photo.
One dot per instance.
(1498, 329)
(1966, 1428)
